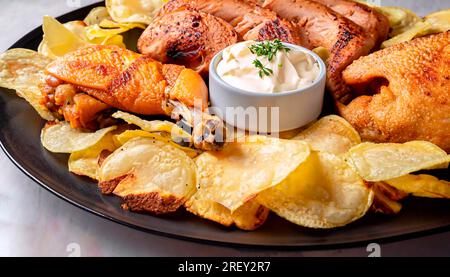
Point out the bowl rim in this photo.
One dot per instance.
(320, 78)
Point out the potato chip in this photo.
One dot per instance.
(149, 175)
(177, 133)
(108, 28)
(60, 39)
(238, 172)
(419, 29)
(331, 134)
(248, 217)
(130, 134)
(322, 52)
(400, 19)
(422, 185)
(384, 161)
(61, 138)
(134, 11)
(382, 203)
(97, 15)
(323, 192)
(440, 21)
(23, 70)
(85, 162)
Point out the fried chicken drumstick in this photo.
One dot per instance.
(84, 83)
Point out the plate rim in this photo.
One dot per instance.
(35, 33)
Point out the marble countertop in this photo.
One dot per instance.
(34, 222)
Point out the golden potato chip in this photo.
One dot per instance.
(149, 175)
(331, 134)
(108, 28)
(384, 161)
(130, 134)
(322, 52)
(440, 21)
(177, 133)
(96, 15)
(323, 192)
(133, 11)
(248, 217)
(419, 29)
(61, 138)
(400, 19)
(86, 162)
(386, 198)
(238, 172)
(422, 185)
(23, 70)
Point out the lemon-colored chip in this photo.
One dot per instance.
(61, 138)
(384, 161)
(422, 185)
(97, 15)
(237, 173)
(130, 134)
(331, 134)
(108, 28)
(149, 175)
(248, 217)
(323, 192)
(177, 133)
(23, 71)
(440, 21)
(86, 162)
(132, 11)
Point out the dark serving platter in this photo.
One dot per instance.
(20, 128)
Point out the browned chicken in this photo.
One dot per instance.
(244, 16)
(374, 23)
(85, 82)
(402, 93)
(186, 37)
(319, 25)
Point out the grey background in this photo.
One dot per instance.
(34, 222)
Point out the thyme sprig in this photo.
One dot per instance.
(268, 49)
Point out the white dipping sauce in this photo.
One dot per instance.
(291, 70)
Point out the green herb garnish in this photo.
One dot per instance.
(268, 49)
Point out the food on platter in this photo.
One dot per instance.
(22, 70)
(323, 192)
(386, 198)
(187, 37)
(422, 185)
(141, 125)
(241, 170)
(248, 217)
(61, 138)
(385, 161)
(345, 39)
(402, 92)
(149, 175)
(133, 11)
(331, 134)
(284, 69)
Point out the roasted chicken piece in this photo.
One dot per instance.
(110, 76)
(248, 19)
(374, 23)
(319, 25)
(402, 93)
(186, 37)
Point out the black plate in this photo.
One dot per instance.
(20, 128)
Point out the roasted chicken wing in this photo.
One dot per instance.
(186, 37)
(402, 93)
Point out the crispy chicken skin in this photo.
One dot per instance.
(186, 37)
(321, 26)
(404, 92)
(128, 81)
(373, 22)
(248, 19)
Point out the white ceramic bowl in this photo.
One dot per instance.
(295, 108)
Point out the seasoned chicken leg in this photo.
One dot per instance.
(402, 93)
(93, 79)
